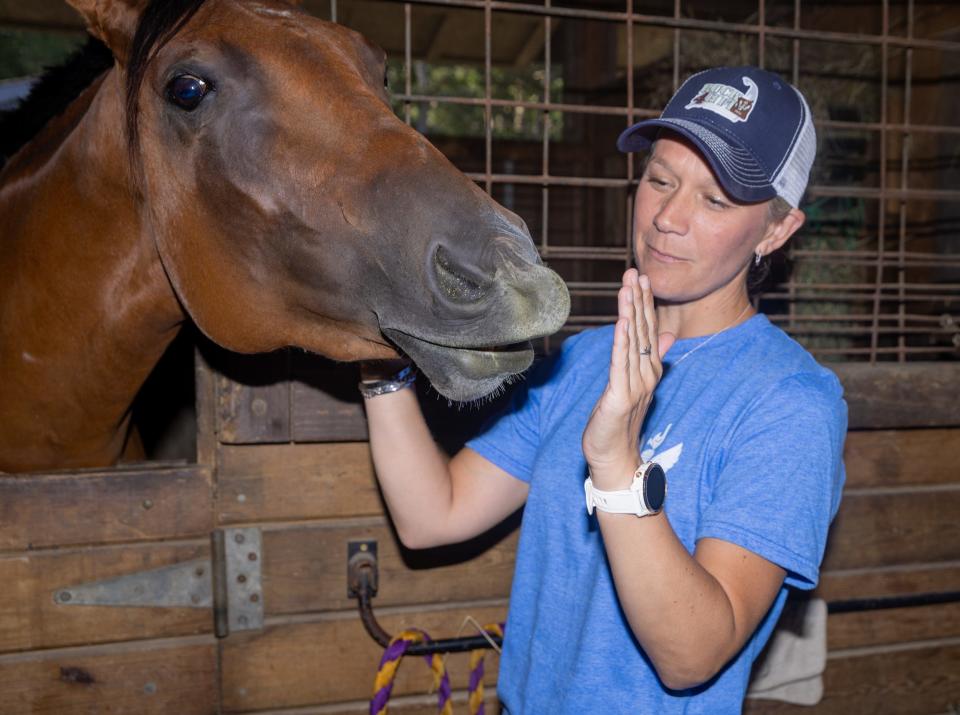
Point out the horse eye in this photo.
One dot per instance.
(187, 91)
(386, 80)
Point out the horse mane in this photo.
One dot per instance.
(60, 85)
(56, 88)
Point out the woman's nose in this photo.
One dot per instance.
(673, 215)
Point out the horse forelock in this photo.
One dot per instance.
(158, 23)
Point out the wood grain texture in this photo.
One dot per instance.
(330, 661)
(399, 705)
(325, 405)
(87, 507)
(149, 678)
(893, 581)
(894, 625)
(896, 527)
(256, 412)
(888, 458)
(917, 681)
(296, 481)
(901, 395)
(305, 569)
(29, 617)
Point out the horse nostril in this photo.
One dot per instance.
(453, 280)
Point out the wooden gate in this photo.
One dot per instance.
(263, 475)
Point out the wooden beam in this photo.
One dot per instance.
(899, 395)
(40, 14)
(108, 506)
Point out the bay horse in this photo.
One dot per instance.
(240, 166)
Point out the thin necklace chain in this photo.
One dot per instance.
(705, 342)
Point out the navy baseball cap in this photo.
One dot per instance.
(753, 128)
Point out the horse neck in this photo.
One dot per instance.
(87, 309)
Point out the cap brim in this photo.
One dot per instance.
(738, 172)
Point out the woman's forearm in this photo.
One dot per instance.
(434, 500)
(413, 473)
(690, 618)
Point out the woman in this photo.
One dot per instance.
(627, 606)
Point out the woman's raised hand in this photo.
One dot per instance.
(610, 440)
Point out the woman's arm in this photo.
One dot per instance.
(434, 500)
(690, 613)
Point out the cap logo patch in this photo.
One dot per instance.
(729, 102)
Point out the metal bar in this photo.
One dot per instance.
(881, 205)
(762, 39)
(678, 22)
(858, 605)
(460, 645)
(904, 170)
(605, 109)
(547, 128)
(407, 60)
(487, 93)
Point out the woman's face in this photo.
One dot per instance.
(690, 238)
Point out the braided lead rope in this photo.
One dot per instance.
(475, 687)
(383, 683)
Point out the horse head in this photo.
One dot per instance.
(291, 207)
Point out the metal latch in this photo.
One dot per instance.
(231, 582)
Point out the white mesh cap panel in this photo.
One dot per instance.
(791, 181)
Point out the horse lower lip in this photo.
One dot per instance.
(475, 362)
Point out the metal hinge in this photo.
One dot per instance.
(230, 582)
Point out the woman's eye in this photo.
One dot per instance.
(719, 203)
(187, 91)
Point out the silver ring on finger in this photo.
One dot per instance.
(647, 350)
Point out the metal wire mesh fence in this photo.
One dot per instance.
(528, 98)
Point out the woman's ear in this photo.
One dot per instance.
(779, 232)
(111, 21)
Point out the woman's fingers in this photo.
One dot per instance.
(620, 358)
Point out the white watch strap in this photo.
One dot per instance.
(621, 501)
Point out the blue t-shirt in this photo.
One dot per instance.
(750, 431)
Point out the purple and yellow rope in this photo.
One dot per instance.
(389, 663)
(475, 697)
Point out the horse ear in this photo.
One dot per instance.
(111, 21)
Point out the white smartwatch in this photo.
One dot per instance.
(645, 496)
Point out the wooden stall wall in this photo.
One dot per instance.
(260, 467)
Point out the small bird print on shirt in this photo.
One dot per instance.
(668, 457)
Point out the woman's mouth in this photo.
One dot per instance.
(663, 257)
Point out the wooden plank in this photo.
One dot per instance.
(328, 661)
(305, 569)
(918, 681)
(29, 617)
(900, 395)
(109, 506)
(275, 482)
(399, 705)
(894, 581)
(893, 625)
(42, 15)
(902, 457)
(253, 397)
(883, 528)
(325, 405)
(305, 565)
(147, 678)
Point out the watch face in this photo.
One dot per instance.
(655, 488)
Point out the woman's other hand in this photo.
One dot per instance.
(610, 440)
